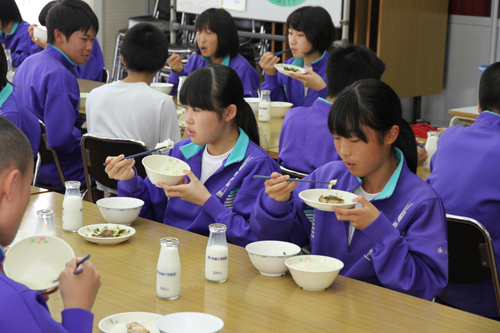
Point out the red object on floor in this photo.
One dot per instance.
(421, 130)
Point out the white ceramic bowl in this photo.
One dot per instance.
(279, 109)
(87, 231)
(317, 273)
(162, 87)
(269, 256)
(311, 197)
(189, 322)
(291, 68)
(120, 210)
(254, 103)
(40, 33)
(118, 322)
(37, 261)
(153, 163)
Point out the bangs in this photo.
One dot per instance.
(295, 22)
(203, 22)
(347, 117)
(197, 90)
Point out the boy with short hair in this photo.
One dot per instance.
(306, 142)
(464, 172)
(130, 108)
(48, 86)
(25, 310)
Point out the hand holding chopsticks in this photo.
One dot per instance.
(276, 54)
(297, 180)
(140, 154)
(79, 270)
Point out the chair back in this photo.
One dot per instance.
(470, 253)
(46, 153)
(292, 173)
(95, 149)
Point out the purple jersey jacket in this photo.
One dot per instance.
(18, 42)
(465, 174)
(248, 75)
(403, 249)
(284, 88)
(13, 108)
(305, 141)
(25, 310)
(233, 190)
(47, 85)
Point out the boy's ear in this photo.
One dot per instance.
(8, 183)
(59, 36)
(124, 62)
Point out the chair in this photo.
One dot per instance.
(47, 154)
(95, 149)
(37, 168)
(292, 173)
(470, 253)
(105, 76)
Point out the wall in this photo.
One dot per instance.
(468, 46)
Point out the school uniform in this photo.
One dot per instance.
(12, 108)
(305, 141)
(92, 70)
(465, 174)
(248, 74)
(285, 88)
(18, 41)
(47, 85)
(25, 310)
(403, 249)
(233, 191)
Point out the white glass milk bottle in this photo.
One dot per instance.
(72, 218)
(168, 271)
(216, 260)
(265, 106)
(430, 147)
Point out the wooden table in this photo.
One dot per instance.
(247, 302)
(467, 114)
(38, 190)
(86, 86)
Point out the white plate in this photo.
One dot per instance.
(311, 197)
(86, 232)
(20, 235)
(117, 323)
(281, 68)
(189, 322)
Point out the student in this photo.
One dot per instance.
(310, 35)
(48, 86)
(131, 109)
(14, 32)
(25, 310)
(218, 43)
(464, 171)
(13, 108)
(223, 153)
(305, 141)
(93, 68)
(395, 236)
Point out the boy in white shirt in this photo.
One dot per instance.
(130, 108)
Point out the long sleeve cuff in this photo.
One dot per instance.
(381, 229)
(276, 208)
(77, 320)
(130, 185)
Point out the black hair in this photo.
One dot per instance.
(214, 88)
(222, 24)
(372, 103)
(348, 64)
(69, 16)
(316, 24)
(15, 148)
(3, 69)
(489, 89)
(9, 12)
(145, 48)
(42, 17)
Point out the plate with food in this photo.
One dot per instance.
(133, 322)
(324, 199)
(106, 234)
(286, 69)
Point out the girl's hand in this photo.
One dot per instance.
(175, 63)
(30, 31)
(80, 290)
(279, 188)
(120, 169)
(310, 79)
(194, 191)
(267, 63)
(359, 217)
